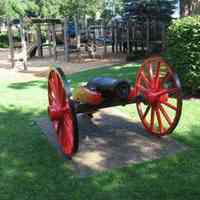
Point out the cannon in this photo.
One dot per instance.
(157, 94)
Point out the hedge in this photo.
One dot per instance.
(183, 51)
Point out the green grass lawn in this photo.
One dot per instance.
(30, 168)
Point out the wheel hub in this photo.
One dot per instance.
(154, 97)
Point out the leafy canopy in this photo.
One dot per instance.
(162, 9)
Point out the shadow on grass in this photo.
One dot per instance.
(26, 85)
(30, 169)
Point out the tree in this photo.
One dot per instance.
(80, 8)
(162, 9)
(12, 8)
(115, 6)
(2, 8)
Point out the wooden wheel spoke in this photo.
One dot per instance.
(146, 112)
(150, 71)
(169, 105)
(159, 120)
(165, 114)
(167, 91)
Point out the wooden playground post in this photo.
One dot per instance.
(113, 38)
(78, 37)
(66, 47)
(39, 40)
(86, 27)
(23, 43)
(49, 40)
(11, 44)
(54, 41)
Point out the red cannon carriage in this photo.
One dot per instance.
(157, 95)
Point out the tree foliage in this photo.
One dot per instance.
(81, 7)
(183, 45)
(48, 8)
(162, 9)
(12, 8)
(58, 8)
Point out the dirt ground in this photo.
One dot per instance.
(38, 67)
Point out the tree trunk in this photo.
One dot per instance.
(49, 40)
(78, 36)
(105, 45)
(39, 40)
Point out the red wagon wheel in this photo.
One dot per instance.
(62, 113)
(160, 86)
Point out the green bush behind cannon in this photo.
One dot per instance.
(183, 52)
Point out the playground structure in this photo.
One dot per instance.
(157, 95)
(146, 35)
(116, 37)
(33, 42)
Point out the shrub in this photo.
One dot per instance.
(183, 51)
(4, 40)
